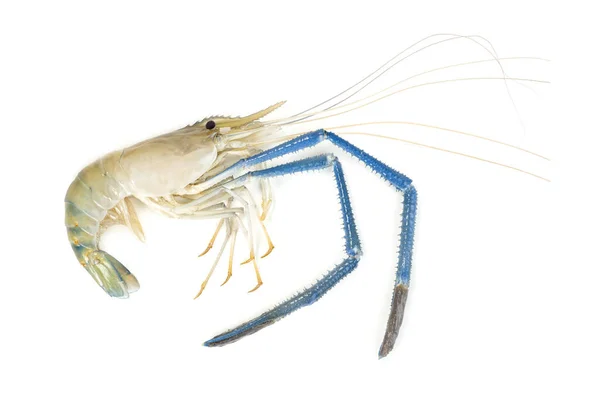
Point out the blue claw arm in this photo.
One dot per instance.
(315, 292)
(352, 244)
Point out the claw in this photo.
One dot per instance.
(201, 290)
(258, 279)
(250, 259)
(394, 320)
(256, 288)
(208, 248)
(226, 279)
(271, 247)
(213, 239)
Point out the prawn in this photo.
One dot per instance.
(205, 169)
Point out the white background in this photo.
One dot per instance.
(503, 303)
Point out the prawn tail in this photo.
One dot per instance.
(93, 201)
(111, 275)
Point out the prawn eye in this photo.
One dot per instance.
(210, 124)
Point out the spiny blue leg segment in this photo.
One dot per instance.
(400, 294)
(315, 292)
(316, 163)
(399, 181)
(407, 235)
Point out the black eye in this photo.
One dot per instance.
(210, 124)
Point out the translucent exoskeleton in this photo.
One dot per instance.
(205, 170)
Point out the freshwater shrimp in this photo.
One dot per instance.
(204, 170)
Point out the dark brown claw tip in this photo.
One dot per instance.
(394, 320)
(236, 334)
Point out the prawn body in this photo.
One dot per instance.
(186, 174)
(204, 170)
(101, 194)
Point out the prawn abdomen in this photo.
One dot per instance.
(90, 197)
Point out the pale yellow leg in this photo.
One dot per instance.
(251, 207)
(259, 281)
(266, 204)
(271, 246)
(265, 187)
(214, 237)
(231, 251)
(258, 278)
(212, 269)
(260, 218)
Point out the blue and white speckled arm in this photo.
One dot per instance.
(400, 182)
(315, 292)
